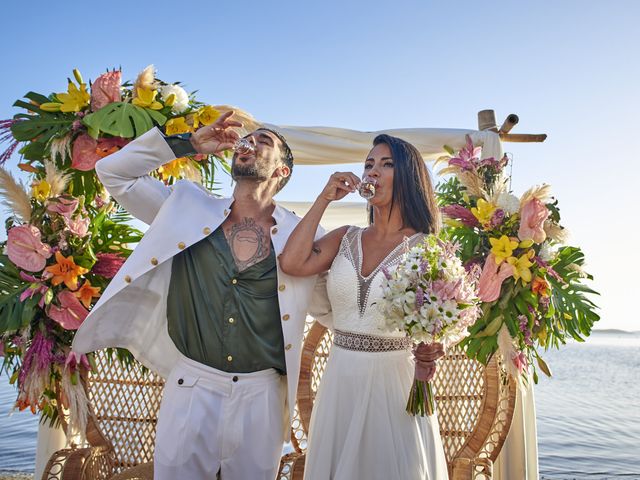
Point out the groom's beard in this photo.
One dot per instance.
(253, 172)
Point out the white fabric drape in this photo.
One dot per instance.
(327, 146)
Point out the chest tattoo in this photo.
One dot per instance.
(249, 243)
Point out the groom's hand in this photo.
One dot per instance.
(217, 137)
(339, 185)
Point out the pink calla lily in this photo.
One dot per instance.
(70, 314)
(532, 217)
(492, 277)
(25, 248)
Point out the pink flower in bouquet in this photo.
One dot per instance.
(466, 156)
(497, 218)
(63, 205)
(460, 213)
(445, 290)
(106, 89)
(26, 250)
(79, 226)
(532, 216)
(108, 264)
(492, 277)
(87, 151)
(520, 361)
(70, 314)
(74, 359)
(35, 287)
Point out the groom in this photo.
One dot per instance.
(202, 301)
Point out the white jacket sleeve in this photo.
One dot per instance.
(125, 175)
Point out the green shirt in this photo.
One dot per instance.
(223, 318)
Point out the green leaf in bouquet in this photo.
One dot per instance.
(42, 126)
(11, 287)
(33, 151)
(122, 119)
(543, 366)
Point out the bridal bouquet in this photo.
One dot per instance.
(430, 296)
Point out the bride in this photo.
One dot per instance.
(359, 427)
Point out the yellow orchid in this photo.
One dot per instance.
(205, 116)
(483, 211)
(147, 99)
(41, 190)
(177, 125)
(502, 248)
(173, 169)
(521, 266)
(86, 293)
(65, 270)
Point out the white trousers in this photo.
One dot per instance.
(212, 421)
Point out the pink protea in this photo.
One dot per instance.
(492, 277)
(70, 314)
(460, 213)
(108, 264)
(532, 216)
(106, 89)
(26, 250)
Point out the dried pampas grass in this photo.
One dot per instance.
(15, 196)
(57, 180)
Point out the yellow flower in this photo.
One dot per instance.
(483, 211)
(75, 99)
(65, 270)
(521, 266)
(502, 248)
(205, 116)
(41, 190)
(174, 168)
(177, 125)
(147, 99)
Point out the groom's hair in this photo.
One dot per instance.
(412, 188)
(287, 156)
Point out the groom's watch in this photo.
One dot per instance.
(180, 144)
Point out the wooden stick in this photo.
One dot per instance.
(523, 137)
(487, 120)
(510, 122)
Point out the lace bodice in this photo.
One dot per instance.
(354, 297)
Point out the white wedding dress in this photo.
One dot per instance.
(359, 427)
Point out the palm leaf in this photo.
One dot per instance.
(13, 313)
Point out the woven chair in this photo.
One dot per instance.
(475, 405)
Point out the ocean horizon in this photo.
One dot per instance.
(588, 413)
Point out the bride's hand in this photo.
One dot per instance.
(426, 356)
(340, 184)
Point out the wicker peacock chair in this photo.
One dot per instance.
(475, 406)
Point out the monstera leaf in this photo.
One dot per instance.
(39, 128)
(14, 314)
(122, 119)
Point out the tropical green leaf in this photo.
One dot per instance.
(43, 126)
(11, 287)
(122, 119)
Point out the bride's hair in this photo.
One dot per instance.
(412, 188)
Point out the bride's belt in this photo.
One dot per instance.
(361, 342)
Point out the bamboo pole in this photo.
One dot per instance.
(523, 137)
(509, 122)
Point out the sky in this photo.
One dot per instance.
(569, 69)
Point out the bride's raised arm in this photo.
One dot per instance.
(302, 256)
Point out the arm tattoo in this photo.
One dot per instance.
(249, 243)
(316, 249)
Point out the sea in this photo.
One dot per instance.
(588, 413)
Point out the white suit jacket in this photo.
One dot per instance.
(131, 312)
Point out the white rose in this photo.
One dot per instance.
(182, 97)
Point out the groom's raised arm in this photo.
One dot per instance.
(125, 174)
